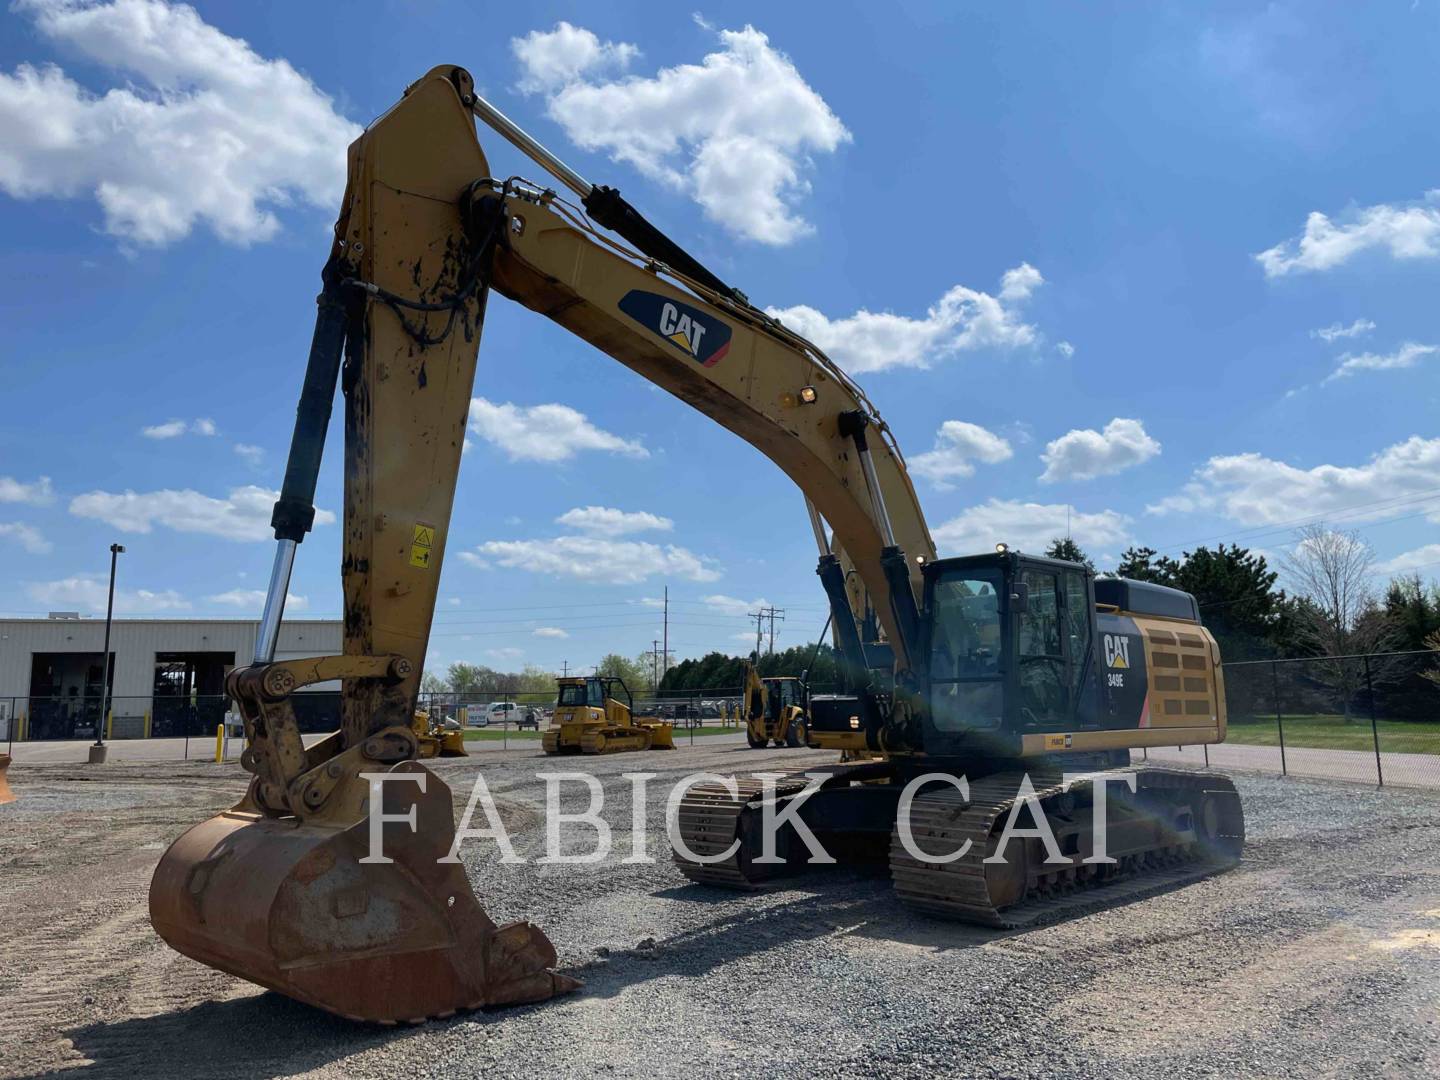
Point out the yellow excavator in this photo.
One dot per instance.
(1001, 667)
(591, 718)
(774, 708)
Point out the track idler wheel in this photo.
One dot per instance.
(295, 907)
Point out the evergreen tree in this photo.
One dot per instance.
(1062, 547)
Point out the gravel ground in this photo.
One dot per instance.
(1319, 955)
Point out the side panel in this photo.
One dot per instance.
(1123, 673)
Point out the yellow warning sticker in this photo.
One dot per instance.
(1058, 742)
(421, 541)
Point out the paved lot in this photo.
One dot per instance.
(1318, 956)
(1409, 770)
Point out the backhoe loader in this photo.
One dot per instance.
(1004, 665)
(774, 708)
(591, 718)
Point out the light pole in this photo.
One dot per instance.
(97, 752)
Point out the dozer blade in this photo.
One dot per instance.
(295, 908)
(6, 795)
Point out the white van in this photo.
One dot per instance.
(500, 712)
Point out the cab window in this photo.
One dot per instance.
(1043, 686)
(966, 651)
(1077, 627)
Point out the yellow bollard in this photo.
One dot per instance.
(219, 743)
(110, 724)
(147, 723)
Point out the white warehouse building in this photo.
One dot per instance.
(167, 676)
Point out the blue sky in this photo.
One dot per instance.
(1166, 272)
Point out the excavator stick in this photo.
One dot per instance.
(6, 795)
(282, 889)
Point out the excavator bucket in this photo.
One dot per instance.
(6, 795)
(299, 909)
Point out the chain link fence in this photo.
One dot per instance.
(1372, 718)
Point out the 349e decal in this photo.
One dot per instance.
(699, 336)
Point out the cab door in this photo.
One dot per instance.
(1042, 678)
(1054, 642)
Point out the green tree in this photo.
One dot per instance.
(430, 683)
(1062, 547)
(1413, 610)
(636, 676)
(1144, 564)
(465, 678)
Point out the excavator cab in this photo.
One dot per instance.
(1021, 656)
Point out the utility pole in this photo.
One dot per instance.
(774, 614)
(655, 662)
(770, 613)
(98, 751)
(666, 634)
(564, 668)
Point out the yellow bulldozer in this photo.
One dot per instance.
(775, 708)
(1004, 668)
(437, 737)
(591, 718)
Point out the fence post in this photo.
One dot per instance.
(1374, 725)
(1206, 748)
(1279, 722)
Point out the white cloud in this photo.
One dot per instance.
(1335, 330)
(551, 59)
(1065, 349)
(549, 632)
(958, 445)
(200, 129)
(962, 319)
(1084, 453)
(90, 594)
(721, 604)
(1406, 231)
(607, 521)
(174, 428)
(27, 536)
(508, 652)
(735, 132)
(244, 514)
(1027, 526)
(550, 432)
(1256, 490)
(36, 493)
(254, 600)
(594, 559)
(1408, 355)
(1017, 284)
(252, 454)
(1426, 556)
